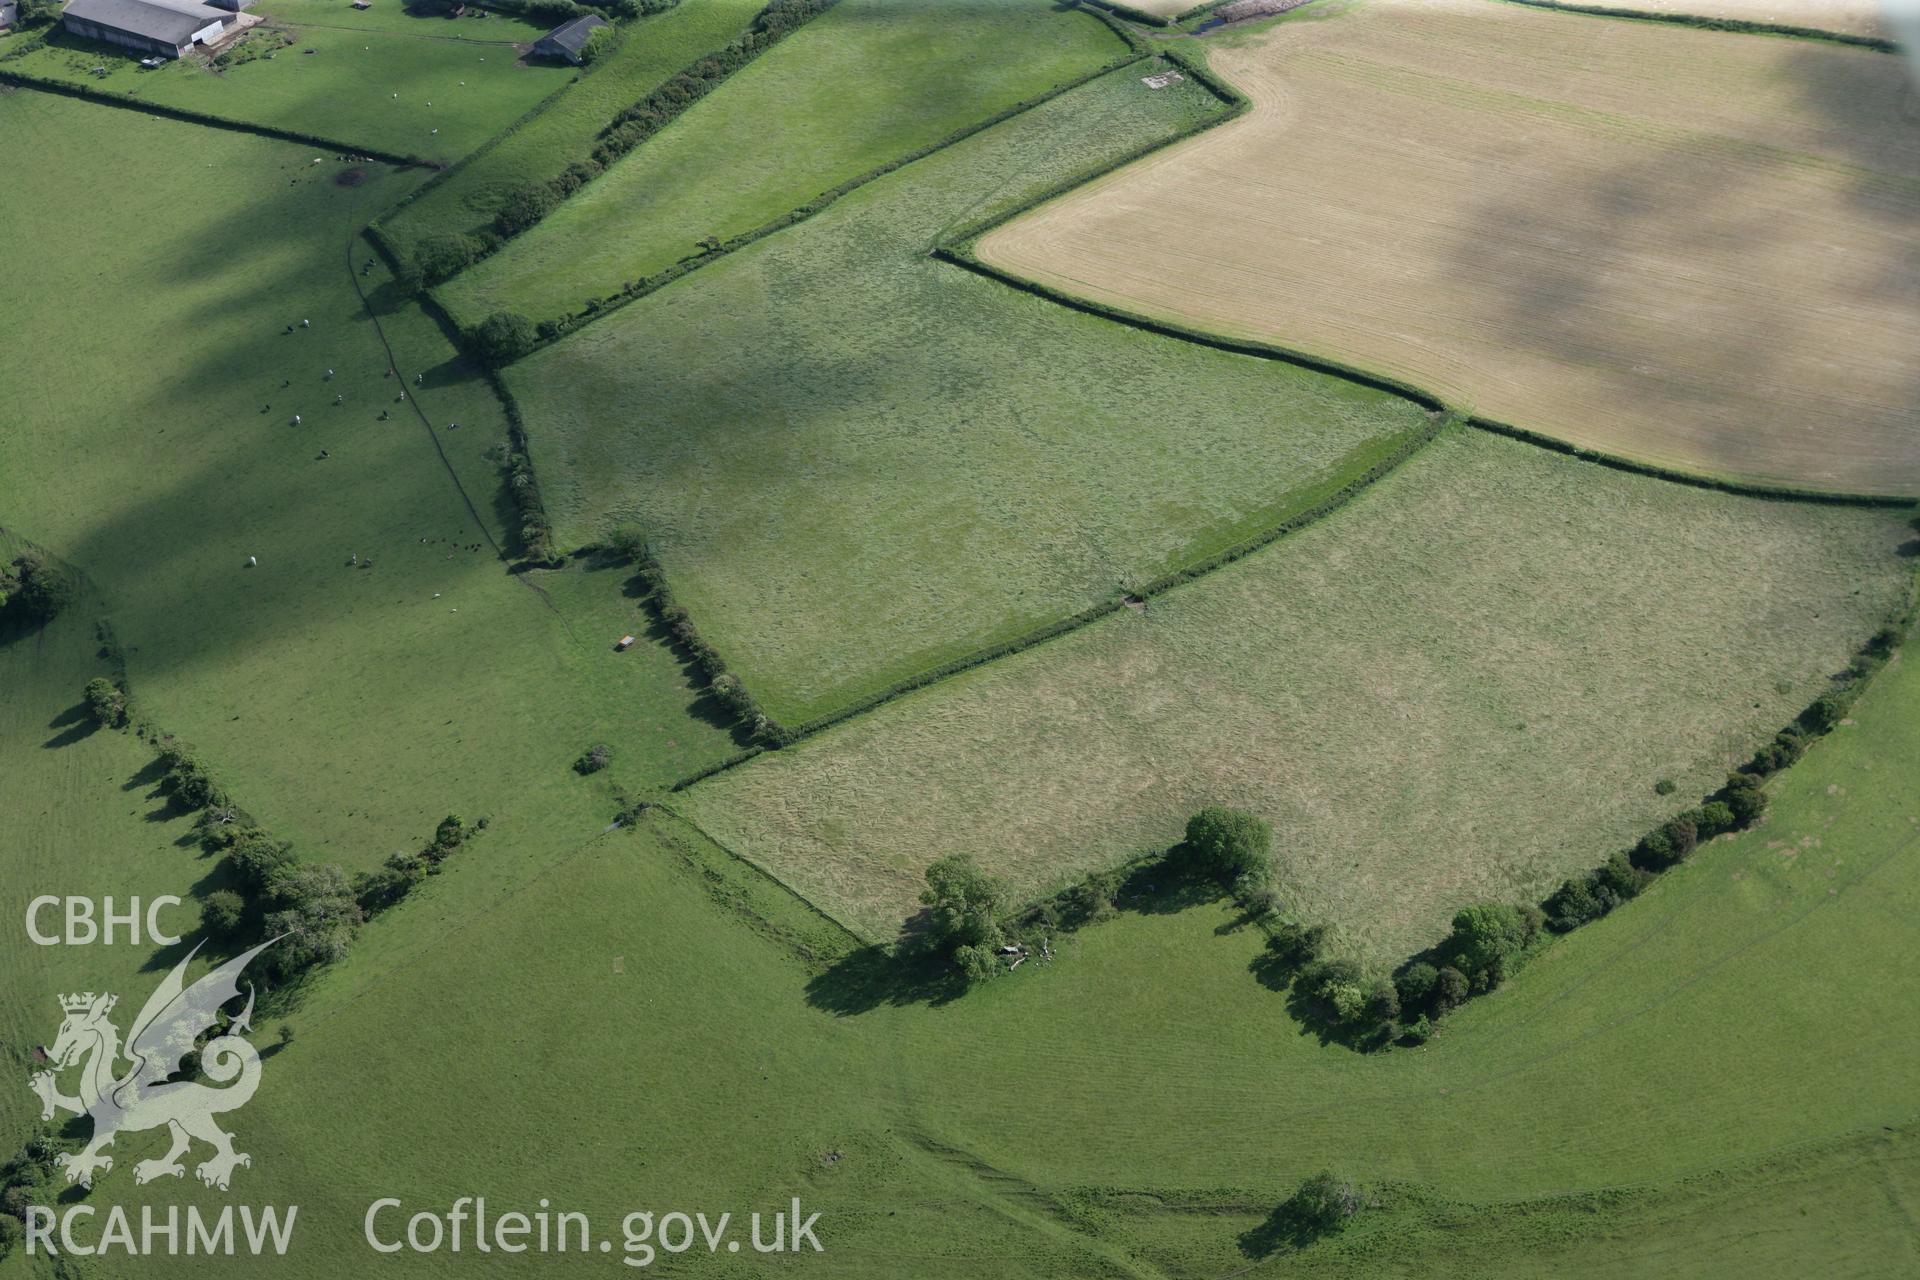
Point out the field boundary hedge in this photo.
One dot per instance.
(1694, 479)
(186, 116)
(775, 734)
(1410, 444)
(1671, 842)
(668, 100)
(446, 174)
(957, 250)
(1742, 26)
(675, 815)
(379, 233)
(553, 330)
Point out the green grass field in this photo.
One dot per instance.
(79, 821)
(857, 462)
(565, 130)
(854, 461)
(846, 94)
(1700, 1083)
(324, 694)
(428, 87)
(1463, 686)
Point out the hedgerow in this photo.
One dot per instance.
(1490, 940)
(726, 687)
(270, 892)
(22, 80)
(1741, 25)
(536, 531)
(528, 204)
(375, 891)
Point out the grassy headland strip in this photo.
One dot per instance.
(1742, 26)
(24, 81)
(755, 894)
(551, 330)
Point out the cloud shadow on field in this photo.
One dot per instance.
(1571, 249)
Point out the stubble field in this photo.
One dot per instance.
(1685, 246)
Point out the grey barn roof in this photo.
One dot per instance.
(171, 21)
(572, 34)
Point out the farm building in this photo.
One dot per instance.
(569, 38)
(165, 27)
(9, 12)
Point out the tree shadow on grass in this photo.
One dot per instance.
(910, 974)
(1281, 1230)
(874, 976)
(76, 724)
(149, 775)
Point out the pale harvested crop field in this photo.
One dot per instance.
(1684, 246)
(1850, 17)
(1463, 685)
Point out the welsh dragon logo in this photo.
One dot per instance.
(142, 1097)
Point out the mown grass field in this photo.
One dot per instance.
(1688, 247)
(867, 82)
(428, 87)
(1463, 686)
(350, 708)
(1702, 1082)
(857, 462)
(649, 52)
